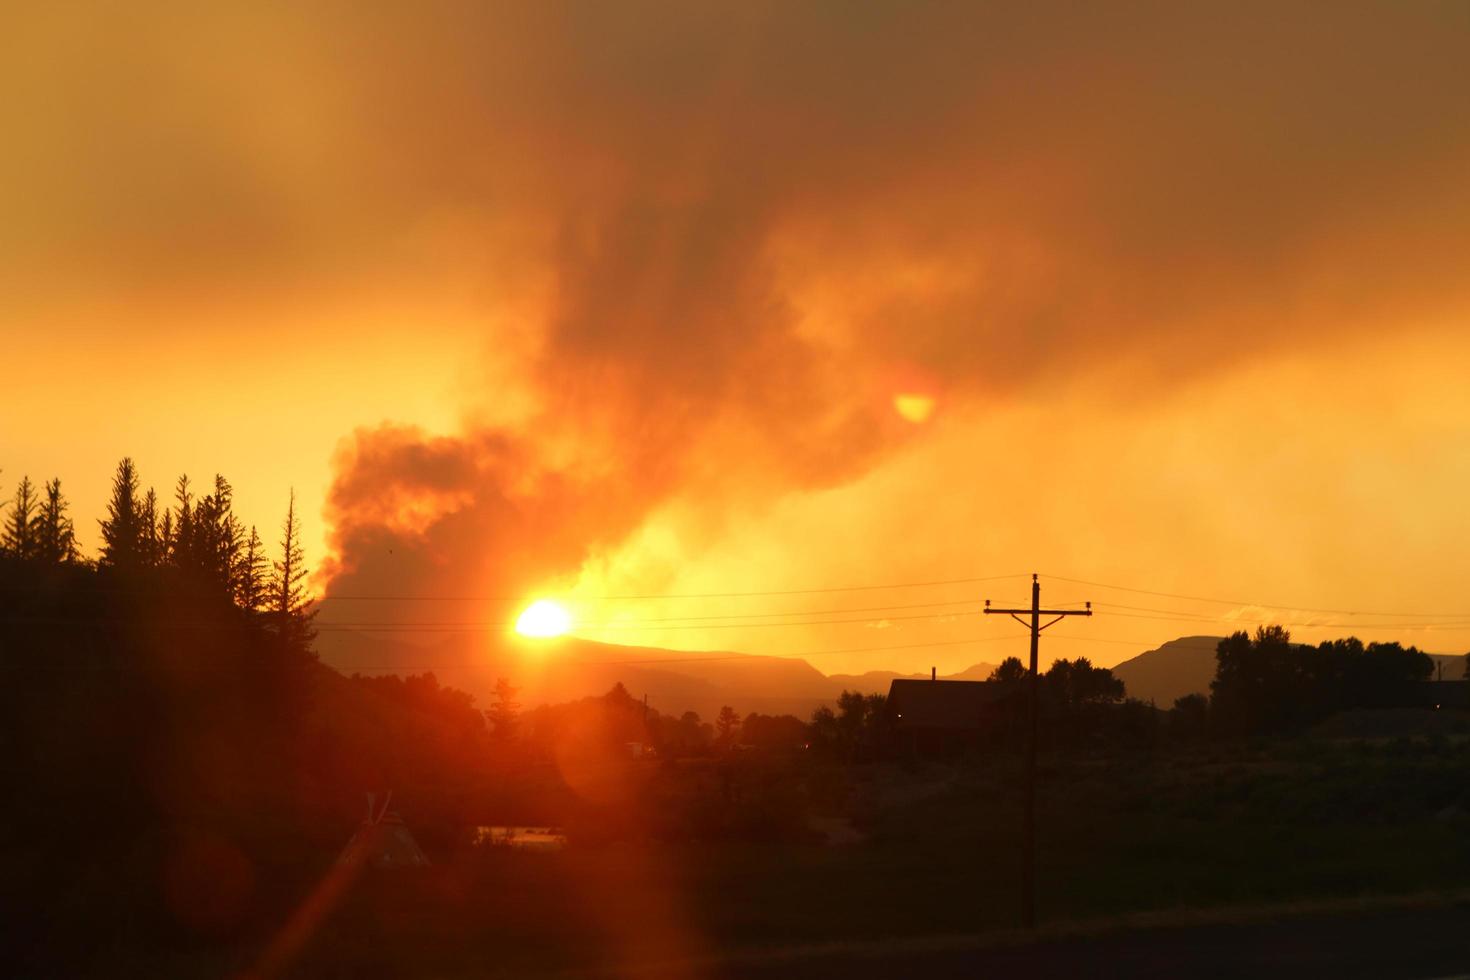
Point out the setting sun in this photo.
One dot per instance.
(544, 618)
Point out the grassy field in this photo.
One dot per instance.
(1197, 829)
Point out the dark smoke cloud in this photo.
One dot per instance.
(734, 231)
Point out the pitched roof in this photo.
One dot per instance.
(385, 844)
(942, 704)
(1446, 694)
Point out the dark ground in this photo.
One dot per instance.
(1301, 860)
(1407, 943)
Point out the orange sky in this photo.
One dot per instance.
(617, 299)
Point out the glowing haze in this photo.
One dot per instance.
(649, 299)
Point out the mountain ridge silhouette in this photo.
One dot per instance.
(566, 668)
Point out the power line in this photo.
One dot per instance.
(1465, 615)
(588, 627)
(481, 626)
(656, 623)
(748, 621)
(420, 668)
(808, 612)
(1181, 616)
(1149, 644)
(1264, 605)
(675, 595)
(638, 622)
(716, 657)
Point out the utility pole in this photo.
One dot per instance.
(1028, 845)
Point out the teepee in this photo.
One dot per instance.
(383, 840)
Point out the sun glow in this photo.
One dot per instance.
(544, 618)
(912, 407)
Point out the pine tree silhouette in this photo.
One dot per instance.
(216, 541)
(181, 546)
(152, 547)
(254, 580)
(289, 603)
(229, 539)
(166, 537)
(19, 540)
(56, 540)
(504, 714)
(122, 529)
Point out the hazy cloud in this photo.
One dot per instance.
(719, 239)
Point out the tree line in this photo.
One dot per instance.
(1266, 684)
(1080, 702)
(197, 544)
(166, 682)
(37, 527)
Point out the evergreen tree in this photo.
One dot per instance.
(289, 603)
(212, 557)
(151, 546)
(197, 560)
(181, 550)
(166, 537)
(505, 713)
(228, 544)
(727, 724)
(253, 583)
(55, 536)
(19, 539)
(122, 529)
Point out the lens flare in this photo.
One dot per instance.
(544, 618)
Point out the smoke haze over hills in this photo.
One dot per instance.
(553, 671)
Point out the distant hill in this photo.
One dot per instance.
(565, 669)
(1448, 666)
(877, 681)
(1187, 665)
(676, 681)
(1179, 667)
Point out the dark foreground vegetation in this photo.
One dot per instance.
(183, 775)
(1245, 826)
